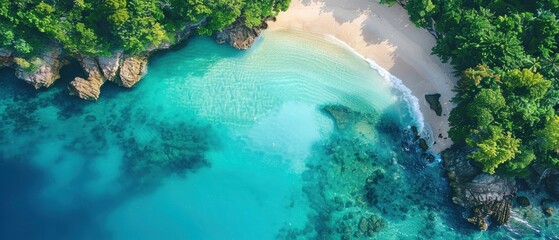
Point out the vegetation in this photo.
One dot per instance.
(507, 53)
(94, 27)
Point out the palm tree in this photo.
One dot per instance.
(550, 65)
(533, 63)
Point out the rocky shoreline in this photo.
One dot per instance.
(496, 199)
(120, 68)
(486, 195)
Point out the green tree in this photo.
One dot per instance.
(421, 12)
(519, 165)
(540, 36)
(477, 40)
(549, 135)
(494, 148)
(527, 83)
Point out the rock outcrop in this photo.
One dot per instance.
(435, 103)
(132, 70)
(110, 65)
(47, 70)
(487, 195)
(124, 70)
(90, 88)
(238, 35)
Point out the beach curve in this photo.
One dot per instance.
(386, 36)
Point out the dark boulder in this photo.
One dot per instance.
(523, 201)
(548, 212)
(423, 144)
(435, 103)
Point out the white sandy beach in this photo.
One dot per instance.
(386, 36)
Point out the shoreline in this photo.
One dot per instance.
(385, 36)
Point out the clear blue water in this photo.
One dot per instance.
(216, 143)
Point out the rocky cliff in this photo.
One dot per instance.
(119, 68)
(43, 71)
(488, 196)
(89, 88)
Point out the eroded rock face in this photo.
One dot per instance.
(119, 68)
(132, 69)
(487, 195)
(483, 189)
(498, 210)
(85, 88)
(90, 88)
(110, 65)
(124, 71)
(91, 67)
(47, 72)
(238, 35)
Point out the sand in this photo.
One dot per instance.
(384, 35)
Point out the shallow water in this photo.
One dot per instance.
(216, 143)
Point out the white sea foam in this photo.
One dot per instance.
(525, 223)
(397, 84)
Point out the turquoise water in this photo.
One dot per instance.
(296, 138)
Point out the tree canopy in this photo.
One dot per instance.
(94, 27)
(507, 101)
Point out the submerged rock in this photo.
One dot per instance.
(363, 225)
(369, 226)
(340, 114)
(435, 103)
(423, 144)
(548, 212)
(358, 123)
(44, 70)
(177, 149)
(523, 201)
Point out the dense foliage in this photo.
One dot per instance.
(506, 117)
(95, 27)
(507, 99)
